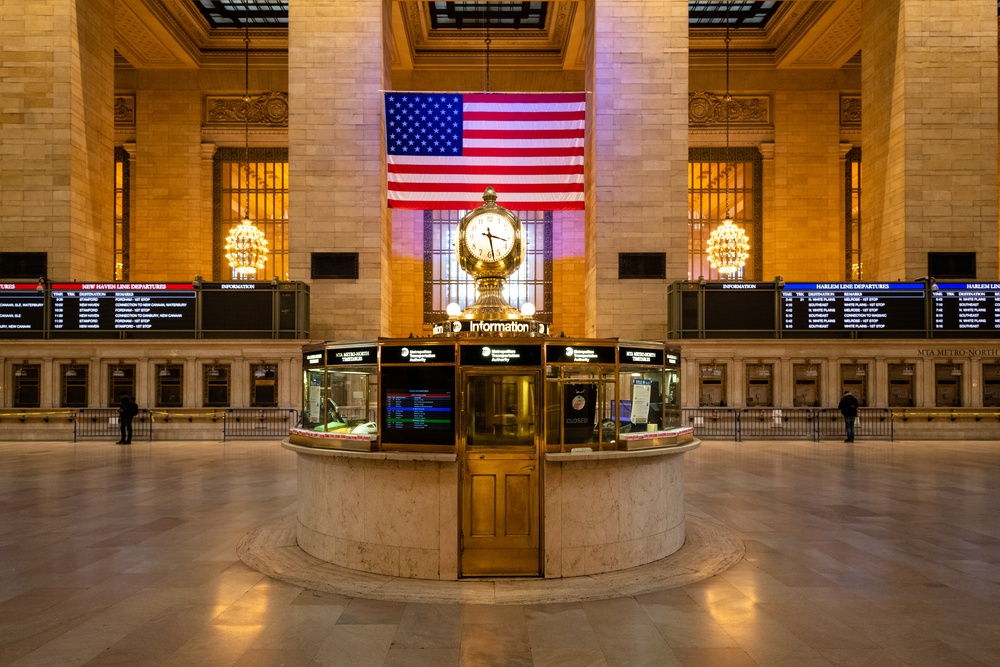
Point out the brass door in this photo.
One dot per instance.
(500, 516)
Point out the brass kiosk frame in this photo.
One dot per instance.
(496, 406)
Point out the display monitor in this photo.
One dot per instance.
(852, 309)
(418, 405)
(22, 310)
(966, 309)
(129, 309)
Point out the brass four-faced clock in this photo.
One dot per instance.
(490, 247)
(490, 240)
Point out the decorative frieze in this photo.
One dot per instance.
(270, 109)
(124, 111)
(705, 108)
(850, 111)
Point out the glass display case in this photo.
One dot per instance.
(340, 397)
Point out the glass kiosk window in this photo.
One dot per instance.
(854, 378)
(711, 386)
(947, 385)
(760, 391)
(341, 399)
(900, 385)
(644, 404)
(806, 378)
(578, 408)
(27, 385)
(991, 385)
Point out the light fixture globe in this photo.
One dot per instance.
(246, 250)
(728, 248)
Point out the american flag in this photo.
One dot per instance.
(443, 149)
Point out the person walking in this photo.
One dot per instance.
(848, 407)
(126, 411)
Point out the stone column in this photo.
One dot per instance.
(57, 134)
(929, 134)
(336, 162)
(636, 170)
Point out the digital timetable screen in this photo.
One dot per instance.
(862, 309)
(22, 310)
(418, 405)
(966, 308)
(100, 309)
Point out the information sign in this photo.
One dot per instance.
(501, 355)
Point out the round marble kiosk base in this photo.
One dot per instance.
(710, 548)
(367, 518)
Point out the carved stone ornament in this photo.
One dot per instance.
(270, 108)
(124, 110)
(706, 108)
(850, 110)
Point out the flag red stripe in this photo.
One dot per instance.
(473, 202)
(523, 98)
(522, 116)
(527, 170)
(523, 152)
(526, 135)
(479, 187)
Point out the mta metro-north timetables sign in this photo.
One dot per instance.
(102, 308)
(875, 309)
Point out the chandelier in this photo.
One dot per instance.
(246, 247)
(728, 247)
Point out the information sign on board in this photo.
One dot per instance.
(579, 354)
(501, 355)
(418, 354)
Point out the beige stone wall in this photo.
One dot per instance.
(335, 154)
(170, 238)
(929, 135)
(638, 178)
(804, 221)
(57, 160)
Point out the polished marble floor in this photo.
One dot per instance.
(866, 554)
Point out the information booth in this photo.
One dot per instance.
(454, 456)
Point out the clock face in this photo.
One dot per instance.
(490, 237)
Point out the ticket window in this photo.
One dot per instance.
(991, 385)
(947, 385)
(901, 385)
(806, 378)
(74, 385)
(264, 386)
(712, 386)
(215, 385)
(760, 388)
(121, 380)
(27, 385)
(169, 385)
(854, 378)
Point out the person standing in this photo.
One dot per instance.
(849, 408)
(127, 410)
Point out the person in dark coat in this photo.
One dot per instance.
(849, 408)
(126, 411)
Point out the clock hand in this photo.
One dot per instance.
(490, 237)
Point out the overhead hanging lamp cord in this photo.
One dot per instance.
(246, 105)
(725, 106)
(486, 22)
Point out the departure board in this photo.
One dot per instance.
(861, 309)
(22, 310)
(966, 308)
(237, 309)
(109, 309)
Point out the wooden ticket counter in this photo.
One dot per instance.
(469, 457)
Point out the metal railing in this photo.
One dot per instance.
(799, 423)
(103, 423)
(245, 423)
